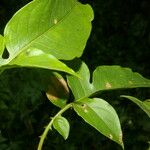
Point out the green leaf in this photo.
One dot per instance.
(58, 92)
(116, 77)
(104, 78)
(101, 115)
(57, 27)
(37, 58)
(81, 87)
(62, 126)
(2, 45)
(144, 105)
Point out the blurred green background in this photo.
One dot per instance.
(120, 36)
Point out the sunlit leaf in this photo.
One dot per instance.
(81, 87)
(144, 105)
(57, 27)
(101, 115)
(37, 58)
(105, 78)
(116, 77)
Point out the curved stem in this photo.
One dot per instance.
(49, 126)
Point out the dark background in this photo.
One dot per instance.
(120, 36)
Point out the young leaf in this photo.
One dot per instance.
(104, 78)
(58, 91)
(144, 105)
(57, 27)
(37, 58)
(101, 115)
(62, 126)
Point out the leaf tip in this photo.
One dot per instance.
(121, 140)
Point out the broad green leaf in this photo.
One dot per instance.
(62, 126)
(58, 91)
(37, 58)
(105, 78)
(101, 115)
(2, 45)
(57, 27)
(116, 77)
(144, 105)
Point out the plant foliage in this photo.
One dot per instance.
(41, 35)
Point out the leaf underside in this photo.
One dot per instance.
(58, 92)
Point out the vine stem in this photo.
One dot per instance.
(49, 126)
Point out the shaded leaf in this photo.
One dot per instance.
(58, 91)
(104, 78)
(62, 126)
(144, 105)
(101, 115)
(49, 25)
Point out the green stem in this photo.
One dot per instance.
(49, 126)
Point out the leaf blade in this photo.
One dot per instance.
(58, 91)
(61, 124)
(104, 78)
(116, 77)
(37, 58)
(81, 87)
(101, 115)
(48, 26)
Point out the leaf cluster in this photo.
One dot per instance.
(41, 35)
